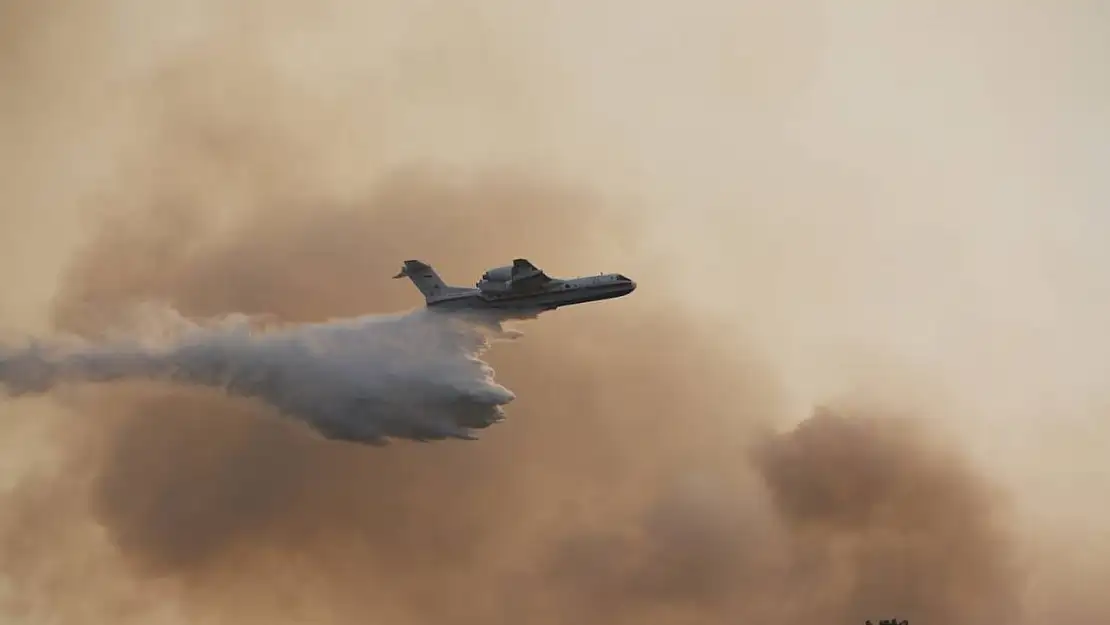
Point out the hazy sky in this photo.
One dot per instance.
(877, 195)
(919, 180)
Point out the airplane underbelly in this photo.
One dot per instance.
(549, 301)
(539, 301)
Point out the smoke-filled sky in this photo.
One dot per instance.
(892, 209)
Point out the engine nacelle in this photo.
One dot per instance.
(498, 274)
(494, 288)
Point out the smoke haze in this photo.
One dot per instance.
(891, 211)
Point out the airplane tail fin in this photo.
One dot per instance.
(424, 277)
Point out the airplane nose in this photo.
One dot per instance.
(631, 285)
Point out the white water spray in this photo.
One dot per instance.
(415, 375)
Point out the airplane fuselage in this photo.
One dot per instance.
(550, 296)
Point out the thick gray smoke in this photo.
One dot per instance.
(416, 375)
(795, 188)
(637, 481)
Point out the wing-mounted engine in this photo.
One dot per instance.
(496, 281)
(521, 276)
(498, 274)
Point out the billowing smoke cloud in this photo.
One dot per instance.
(416, 375)
(638, 480)
(259, 158)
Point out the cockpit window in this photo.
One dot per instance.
(620, 276)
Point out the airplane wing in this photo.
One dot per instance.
(525, 271)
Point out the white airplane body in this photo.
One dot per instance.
(517, 291)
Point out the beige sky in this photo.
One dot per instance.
(882, 195)
(920, 181)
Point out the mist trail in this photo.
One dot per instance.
(415, 375)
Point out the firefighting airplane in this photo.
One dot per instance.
(517, 291)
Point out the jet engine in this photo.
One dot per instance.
(497, 280)
(494, 288)
(498, 274)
